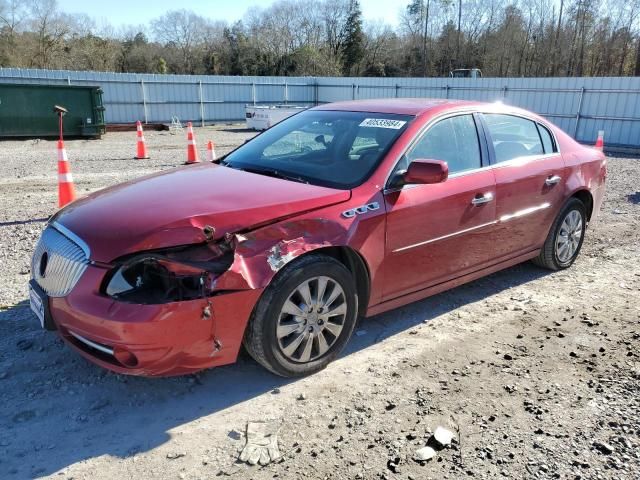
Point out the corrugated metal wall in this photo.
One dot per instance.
(580, 106)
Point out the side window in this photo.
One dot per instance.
(513, 137)
(454, 140)
(547, 140)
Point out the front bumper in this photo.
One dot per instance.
(151, 340)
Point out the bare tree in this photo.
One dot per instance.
(181, 29)
(12, 14)
(326, 37)
(417, 20)
(334, 16)
(50, 26)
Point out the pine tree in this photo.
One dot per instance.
(161, 66)
(353, 49)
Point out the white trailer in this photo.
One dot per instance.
(261, 117)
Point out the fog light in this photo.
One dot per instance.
(125, 357)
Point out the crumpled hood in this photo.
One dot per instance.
(171, 208)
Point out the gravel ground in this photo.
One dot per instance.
(535, 373)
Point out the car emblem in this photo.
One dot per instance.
(369, 207)
(44, 260)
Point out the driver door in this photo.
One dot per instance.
(441, 231)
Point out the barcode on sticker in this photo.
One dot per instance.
(382, 123)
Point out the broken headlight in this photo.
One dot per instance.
(167, 276)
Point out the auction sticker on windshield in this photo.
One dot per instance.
(382, 123)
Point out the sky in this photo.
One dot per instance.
(136, 12)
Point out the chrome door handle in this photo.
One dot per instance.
(552, 180)
(480, 199)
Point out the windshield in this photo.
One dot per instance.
(329, 148)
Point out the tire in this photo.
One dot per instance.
(551, 255)
(270, 337)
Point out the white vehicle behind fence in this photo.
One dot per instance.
(261, 117)
(466, 73)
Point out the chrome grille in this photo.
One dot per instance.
(59, 260)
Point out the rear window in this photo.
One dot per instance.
(513, 137)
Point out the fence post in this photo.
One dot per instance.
(286, 93)
(316, 93)
(253, 93)
(201, 103)
(575, 130)
(447, 91)
(144, 101)
(504, 92)
(353, 91)
(397, 90)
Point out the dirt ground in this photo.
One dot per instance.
(537, 374)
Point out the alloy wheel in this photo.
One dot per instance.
(569, 236)
(311, 319)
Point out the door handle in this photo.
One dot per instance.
(482, 198)
(552, 180)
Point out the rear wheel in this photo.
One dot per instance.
(565, 238)
(304, 318)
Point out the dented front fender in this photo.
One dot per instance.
(259, 255)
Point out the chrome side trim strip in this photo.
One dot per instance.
(502, 219)
(444, 237)
(95, 345)
(523, 212)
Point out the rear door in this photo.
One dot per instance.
(440, 231)
(530, 177)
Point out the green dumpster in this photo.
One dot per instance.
(26, 110)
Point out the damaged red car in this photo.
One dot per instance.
(342, 211)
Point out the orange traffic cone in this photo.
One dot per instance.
(192, 151)
(600, 141)
(142, 146)
(66, 190)
(211, 153)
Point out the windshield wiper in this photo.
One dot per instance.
(271, 172)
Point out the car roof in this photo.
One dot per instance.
(404, 106)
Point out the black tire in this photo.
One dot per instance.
(548, 257)
(260, 338)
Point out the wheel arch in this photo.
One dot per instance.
(260, 343)
(586, 198)
(262, 255)
(357, 265)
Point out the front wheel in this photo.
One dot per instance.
(304, 318)
(565, 238)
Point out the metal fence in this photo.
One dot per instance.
(580, 106)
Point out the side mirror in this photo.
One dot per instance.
(426, 171)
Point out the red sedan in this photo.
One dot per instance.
(344, 210)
